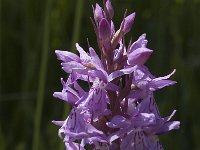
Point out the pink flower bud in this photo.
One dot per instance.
(104, 30)
(128, 23)
(98, 13)
(110, 9)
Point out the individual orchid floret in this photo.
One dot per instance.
(97, 100)
(78, 66)
(144, 79)
(68, 94)
(143, 85)
(71, 61)
(140, 43)
(145, 136)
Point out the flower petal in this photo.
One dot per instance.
(168, 127)
(119, 73)
(138, 140)
(66, 56)
(139, 56)
(143, 120)
(95, 59)
(58, 123)
(134, 140)
(97, 74)
(83, 55)
(165, 77)
(79, 89)
(69, 66)
(148, 105)
(118, 122)
(159, 84)
(141, 42)
(67, 97)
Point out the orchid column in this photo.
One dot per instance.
(119, 110)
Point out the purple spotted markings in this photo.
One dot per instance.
(118, 111)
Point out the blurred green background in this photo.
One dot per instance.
(30, 31)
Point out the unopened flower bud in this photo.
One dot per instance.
(98, 13)
(104, 30)
(110, 9)
(128, 23)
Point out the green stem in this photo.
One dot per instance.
(42, 79)
(75, 37)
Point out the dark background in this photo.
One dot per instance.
(30, 31)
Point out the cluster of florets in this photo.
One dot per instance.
(118, 111)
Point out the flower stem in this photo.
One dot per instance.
(42, 79)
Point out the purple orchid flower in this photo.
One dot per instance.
(97, 97)
(118, 110)
(70, 95)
